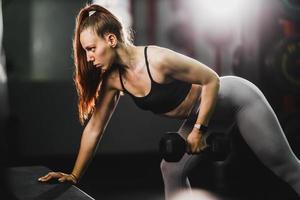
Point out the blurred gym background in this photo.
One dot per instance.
(258, 40)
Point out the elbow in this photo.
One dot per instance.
(214, 80)
(214, 83)
(216, 77)
(217, 81)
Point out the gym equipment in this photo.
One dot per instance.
(292, 8)
(22, 183)
(282, 64)
(172, 147)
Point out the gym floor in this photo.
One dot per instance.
(242, 177)
(133, 177)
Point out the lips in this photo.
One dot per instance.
(101, 67)
(97, 65)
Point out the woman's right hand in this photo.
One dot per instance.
(60, 176)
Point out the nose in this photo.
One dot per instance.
(90, 57)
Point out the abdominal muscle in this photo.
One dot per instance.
(184, 109)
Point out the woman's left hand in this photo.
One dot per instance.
(196, 142)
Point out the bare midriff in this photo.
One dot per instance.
(183, 110)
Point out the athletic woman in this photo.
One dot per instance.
(168, 84)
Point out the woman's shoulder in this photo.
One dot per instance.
(160, 56)
(154, 49)
(160, 53)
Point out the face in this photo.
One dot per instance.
(99, 51)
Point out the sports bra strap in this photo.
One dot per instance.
(148, 70)
(121, 80)
(147, 64)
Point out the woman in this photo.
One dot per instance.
(169, 84)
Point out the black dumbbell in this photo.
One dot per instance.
(172, 147)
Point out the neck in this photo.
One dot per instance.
(126, 56)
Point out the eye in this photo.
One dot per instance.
(92, 49)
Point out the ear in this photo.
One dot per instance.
(111, 39)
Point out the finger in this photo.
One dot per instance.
(49, 176)
(192, 150)
(45, 179)
(45, 176)
(42, 178)
(62, 179)
(62, 174)
(56, 174)
(197, 150)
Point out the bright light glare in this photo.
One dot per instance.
(120, 8)
(3, 77)
(217, 18)
(194, 194)
(220, 9)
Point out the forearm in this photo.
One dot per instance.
(208, 101)
(88, 147)
(92, 134)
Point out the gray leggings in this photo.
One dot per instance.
(241, 102)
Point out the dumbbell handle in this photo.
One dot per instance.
(172, 147)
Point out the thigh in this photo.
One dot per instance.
(261, 130)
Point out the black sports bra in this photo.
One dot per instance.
(162, 98)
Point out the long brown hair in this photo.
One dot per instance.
(87, 78)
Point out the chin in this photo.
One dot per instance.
(108, 67)
(105, 69)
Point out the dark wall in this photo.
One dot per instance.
(38, 38)
(52, 24)
(17, 41)
(46, 122)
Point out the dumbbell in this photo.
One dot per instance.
(172, 147)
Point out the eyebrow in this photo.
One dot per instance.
(88, 46)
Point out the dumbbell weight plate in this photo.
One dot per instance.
(172, 147)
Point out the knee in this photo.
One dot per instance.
(284, 165)
(276, 155)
